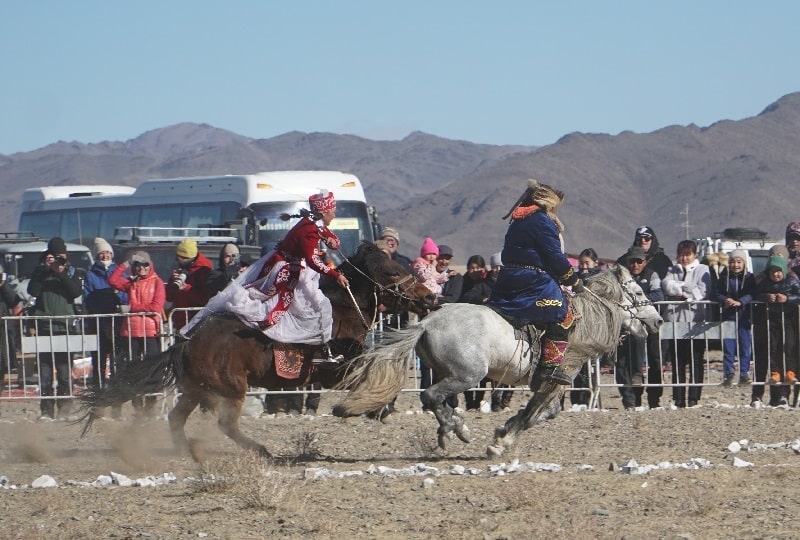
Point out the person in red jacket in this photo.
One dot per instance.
(279, 294)
(187, 283)
(146, 294)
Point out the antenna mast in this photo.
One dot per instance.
(685, 214)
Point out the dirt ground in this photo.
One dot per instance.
(232, 494)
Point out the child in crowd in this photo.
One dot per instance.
(686, 284)
(734, 291)
(782, 294)
(424, 267)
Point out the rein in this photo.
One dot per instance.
(631, 308)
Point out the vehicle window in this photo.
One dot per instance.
(117, 217)
(80, 226)
(43, 224)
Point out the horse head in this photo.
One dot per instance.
(639, 315)
(644, 317)
(386, 281)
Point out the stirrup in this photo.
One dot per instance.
(328, 360)
(327, 357)
(556, 374)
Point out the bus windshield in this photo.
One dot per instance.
(351, 225)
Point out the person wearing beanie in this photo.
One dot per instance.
(424, 267)
(535, 267)
(137, 278)
(687, 283)
(735, 289)
(228, 268)
(781, 292)
(392, 239)
(286, 282)
(186, 287)
(56, 284)
(101, 298)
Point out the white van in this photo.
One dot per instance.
(753, 241)
(21, 253)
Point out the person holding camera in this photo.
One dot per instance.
(55, 284)
(186, 287)
(229, 267)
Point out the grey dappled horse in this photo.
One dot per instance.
(463, 343)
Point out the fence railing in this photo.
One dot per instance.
(678, 357)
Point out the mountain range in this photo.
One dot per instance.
(680, 180)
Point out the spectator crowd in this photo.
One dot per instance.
(763, 309)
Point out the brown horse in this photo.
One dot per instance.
(224, 356)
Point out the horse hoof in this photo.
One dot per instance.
(493, 451)
(443, 438)
(463, 433)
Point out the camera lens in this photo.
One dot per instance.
(61, 260)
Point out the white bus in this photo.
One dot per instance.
(251, 203)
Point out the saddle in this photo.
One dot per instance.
(523, 330)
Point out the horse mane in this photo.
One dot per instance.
(597, 330)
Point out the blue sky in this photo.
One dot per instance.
(510, 72)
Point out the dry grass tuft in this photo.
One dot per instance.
(306, 446)
(251, 480)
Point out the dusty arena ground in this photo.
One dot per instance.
(335, 478)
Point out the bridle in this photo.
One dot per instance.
(633, 307)
(394, 290)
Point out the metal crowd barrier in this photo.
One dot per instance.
(30, 340)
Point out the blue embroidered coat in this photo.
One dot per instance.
(534, 265)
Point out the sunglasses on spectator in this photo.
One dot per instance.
(141, 265)
(636, 261)
(61, 260)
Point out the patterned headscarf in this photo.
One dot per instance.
(322, 202)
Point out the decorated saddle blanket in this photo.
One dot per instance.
(293, 361)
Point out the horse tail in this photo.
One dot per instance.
(153, 374)
(377, 375)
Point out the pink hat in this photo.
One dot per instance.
(322, 202)
(428, 247)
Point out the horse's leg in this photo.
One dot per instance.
(434, 398)
(543, 393)
(229, 410)
(187, 402)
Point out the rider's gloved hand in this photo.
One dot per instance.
(578, 287)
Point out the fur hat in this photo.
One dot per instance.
(496, 260)
(778, 262)
(322, 202)
(428, 247)
(140, 257)
(738, 254)
(187, 249)
(101, 245)
(390, 232)
(780, 251)
(56, 246)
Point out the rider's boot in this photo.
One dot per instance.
(328, 357)
(549, 368)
